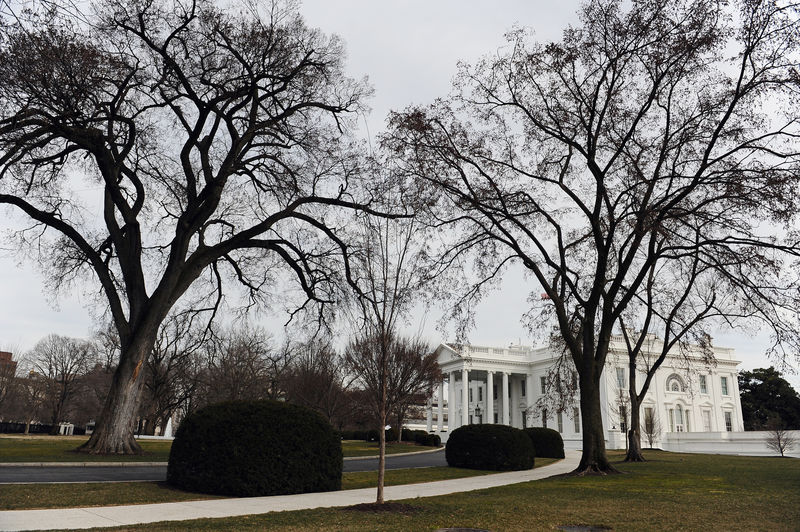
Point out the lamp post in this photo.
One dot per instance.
(478, 413)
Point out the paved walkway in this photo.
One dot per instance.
(107, 516)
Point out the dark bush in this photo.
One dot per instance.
(491, 447)
(354, 434)
(254, 448)
(547, 443)
(372, 435)
(431, 440)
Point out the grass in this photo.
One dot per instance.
(352, 448)
(32, 496)
(62, 449)
(670, 492)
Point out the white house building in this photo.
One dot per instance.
(504, 385)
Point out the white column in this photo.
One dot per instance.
(528, 396)
(440, 413)
(464, 396)
(451, 403)
(505, 399)
(429, 416)
(489, 397)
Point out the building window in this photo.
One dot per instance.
(649, 421)
(470, 395)
(523, 386)
(724, 382)
(495, 418)
(480, 393)
(703, 385)
(672, 420)
(686, 415)
(470, 419)
(510, 384)
(560, 422)
(674, 383)
(728, 421)
(621, 378)
(576, 417)
(494, 391)
(544, 417)
(542, 383)
(707, 420)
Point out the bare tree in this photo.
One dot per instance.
(168, 378)
(231, 160)
(633, 143)
(389, 261)
(8, 379)
(779, 438)
(317, 380)
(32, 391)
(239, 360)
(392, 371)
(60, 361)
(651, 427)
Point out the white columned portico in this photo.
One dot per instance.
(505, 399)
(489, 397)
(465, 396)
(440, 413)
(451, 403)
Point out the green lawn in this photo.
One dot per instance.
(670, 492)
(62, 449)
(30, 496)
(361, 448)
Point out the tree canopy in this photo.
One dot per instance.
(765, 394)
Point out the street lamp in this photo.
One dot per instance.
(478, 412)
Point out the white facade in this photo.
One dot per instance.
(504, 385)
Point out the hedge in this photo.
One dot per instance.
(255, 448)
(547, 443)
(489, 447)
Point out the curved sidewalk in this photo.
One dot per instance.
(107, 516)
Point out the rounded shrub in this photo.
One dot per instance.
(255, 448)
(490, 447)
(547, 443)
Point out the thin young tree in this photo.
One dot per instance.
(391, 370)
(651, 132)
(779, 438)
(154, 144)
(389, 271)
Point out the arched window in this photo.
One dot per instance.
(675, 383)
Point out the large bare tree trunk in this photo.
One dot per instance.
(634, 436)
(593, 460)
(114, 432)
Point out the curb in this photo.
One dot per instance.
(83, 464)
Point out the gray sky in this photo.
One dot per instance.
(409, 50)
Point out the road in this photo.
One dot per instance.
(26, 474)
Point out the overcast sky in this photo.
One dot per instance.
(409, 50)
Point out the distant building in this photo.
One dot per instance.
(504, 384)
(6, 362)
